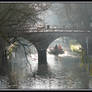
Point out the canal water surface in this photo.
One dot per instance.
(64, 73)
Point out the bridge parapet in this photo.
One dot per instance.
(50, 30)
(41, 37)
(43, 29)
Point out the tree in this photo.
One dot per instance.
(18, 17)
(79, 15)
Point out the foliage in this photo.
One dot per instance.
(76, 48)
(19, 16)
(11, 48)
(86, 63)
(74, 15)
(79, 15)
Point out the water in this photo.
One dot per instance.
(64, 73)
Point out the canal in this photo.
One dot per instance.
(64, 73)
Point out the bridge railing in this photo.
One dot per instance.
(57, 30)
(50, 30)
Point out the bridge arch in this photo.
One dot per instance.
(52, 59)
(81, 41)
(30, 60)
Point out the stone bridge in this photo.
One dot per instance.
(42, 40)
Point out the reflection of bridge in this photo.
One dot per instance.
(42, 40)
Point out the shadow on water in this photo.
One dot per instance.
(43, 71)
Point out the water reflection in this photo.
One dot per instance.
(64, 73)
